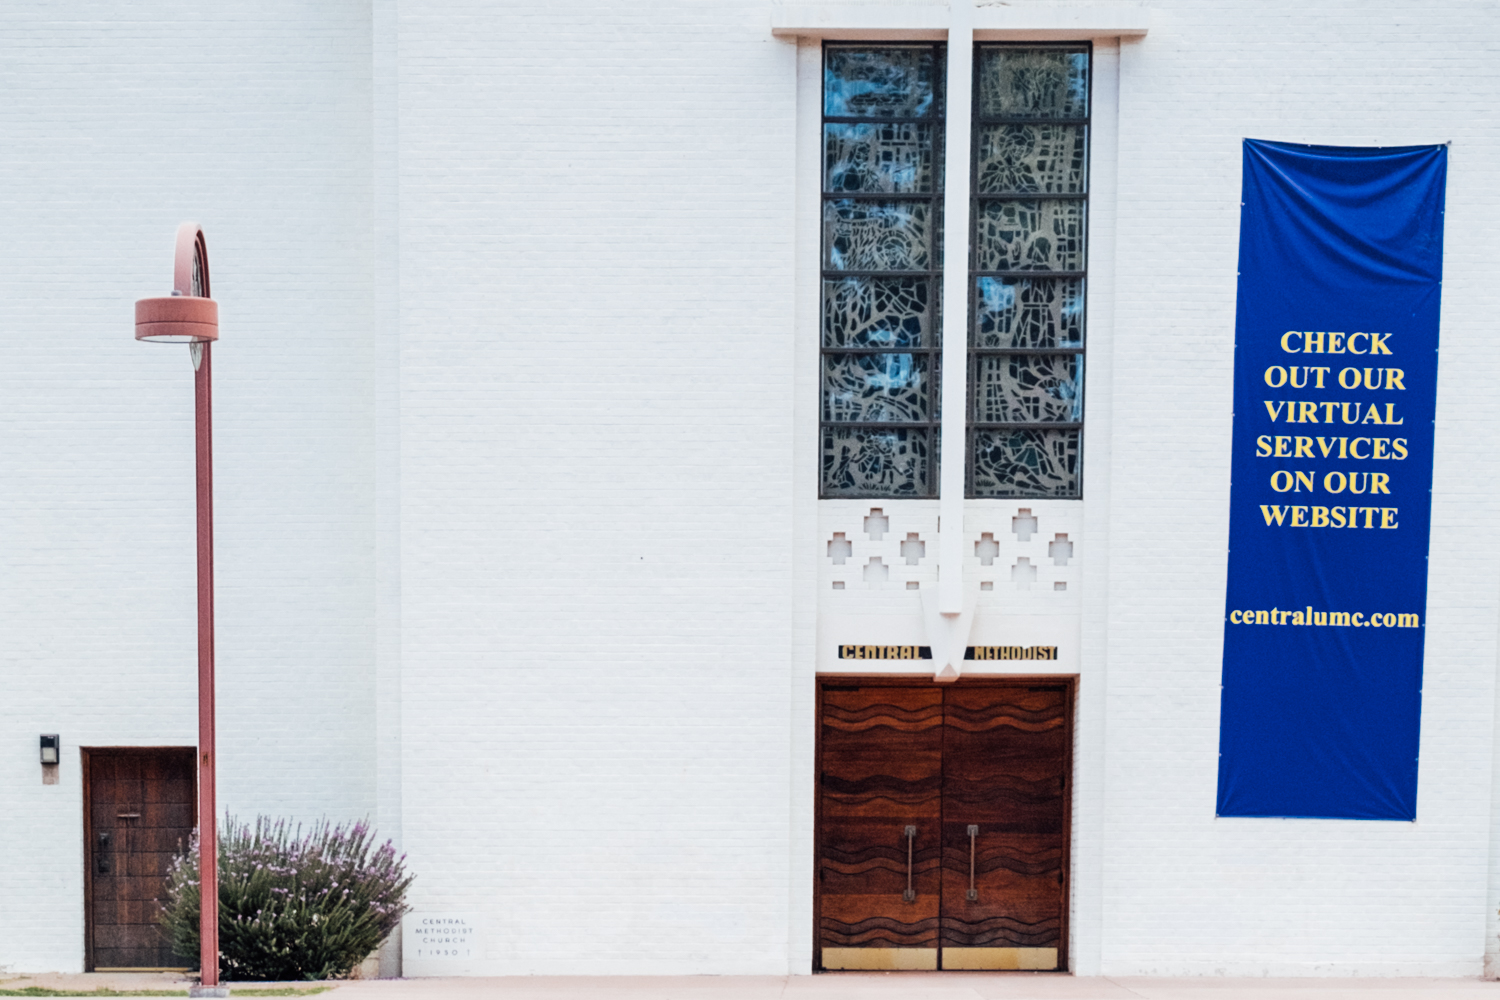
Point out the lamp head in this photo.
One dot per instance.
(188, 315)
(178, 319)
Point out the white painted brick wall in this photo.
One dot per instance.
(119, 122)
(596, 275)
(514, 473)
(1183, 892)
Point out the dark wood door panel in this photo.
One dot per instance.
(1018, 896)
(880, 775)
(139, 814)
(1005, 755)
(991, 757)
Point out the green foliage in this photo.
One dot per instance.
(291, 906)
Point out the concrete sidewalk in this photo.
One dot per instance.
(833, 986)
(915, 986)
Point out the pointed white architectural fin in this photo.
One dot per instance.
(948, 634)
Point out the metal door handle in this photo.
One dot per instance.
(973, 893)
(910, 894)
(101, 859)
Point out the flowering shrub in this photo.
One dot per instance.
(291, 906)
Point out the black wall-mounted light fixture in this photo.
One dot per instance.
(51, 748)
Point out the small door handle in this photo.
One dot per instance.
(973, 893)
(910, 894)
(101, 858)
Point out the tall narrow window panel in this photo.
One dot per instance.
(881, 265)
(1028, 257)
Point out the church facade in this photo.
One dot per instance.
(840, 584)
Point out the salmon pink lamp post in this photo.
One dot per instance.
(189, 316)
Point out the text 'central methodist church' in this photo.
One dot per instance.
(749, 488)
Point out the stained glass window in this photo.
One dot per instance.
(1028, 260)
(881, 259)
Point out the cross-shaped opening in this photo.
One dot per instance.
(913, 549)
(839, 548)
(992, 223)
(1060, 549)
(987, 549)
(1023, 573)
(876, 571)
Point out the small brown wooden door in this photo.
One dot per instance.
(139, 811)
(977, 772)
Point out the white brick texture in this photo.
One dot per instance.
(119, 122)
(518, 538)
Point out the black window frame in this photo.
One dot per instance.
(972, 424)
(933, 275)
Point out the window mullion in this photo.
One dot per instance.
(956, 305)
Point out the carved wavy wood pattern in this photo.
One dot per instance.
(883, 786)
(893, 858)
(1000, 932)
(941, 759)
(880, 932)
(1015, 788)
(880, 771)
(883, 716)
(1004, 754)
(972, 720)
(1006, 856)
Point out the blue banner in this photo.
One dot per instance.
(1335, 390)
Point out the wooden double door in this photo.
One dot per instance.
(139, 810)
(943, 824)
